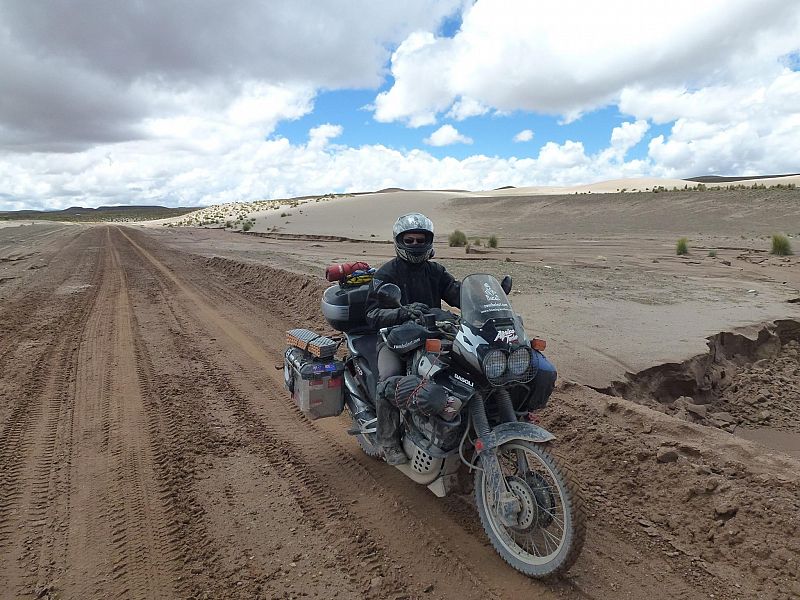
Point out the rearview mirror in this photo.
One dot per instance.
(506, 284)
(389, 296)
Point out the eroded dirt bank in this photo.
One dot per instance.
(147, 449)
(746, 381)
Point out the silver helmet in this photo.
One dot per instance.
(413, 223)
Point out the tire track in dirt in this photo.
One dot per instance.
(22, 311)
(321, 469)
(34, 441)
(35, 318)
(179, 426)
(82, 511)
(117, 541)
(362, 561)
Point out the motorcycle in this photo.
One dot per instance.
(527, 498)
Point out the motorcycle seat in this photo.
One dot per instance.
(366, 346)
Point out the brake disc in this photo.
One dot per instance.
(529, 512)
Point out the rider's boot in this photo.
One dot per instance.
(388, 434)
(394, 455)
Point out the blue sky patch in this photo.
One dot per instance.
(492, 134)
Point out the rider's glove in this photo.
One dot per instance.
(406, 314)
(412, 311)
(419, 307)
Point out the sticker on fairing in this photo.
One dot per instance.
(491, 295)
(458, 377)
(507, 335)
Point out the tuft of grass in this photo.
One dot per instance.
(712, 253)
(781, 245)
(682, 247)
(457, 239)
(493, 241)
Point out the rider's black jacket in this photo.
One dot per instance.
(427, 282)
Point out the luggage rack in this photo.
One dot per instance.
(313, 343)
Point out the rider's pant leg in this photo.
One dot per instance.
(389, 365)
(543, 383)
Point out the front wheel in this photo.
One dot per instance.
(551, 526)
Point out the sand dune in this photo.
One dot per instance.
(632, 184)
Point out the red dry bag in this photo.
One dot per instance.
(338, 272)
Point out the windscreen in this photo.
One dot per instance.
(482, 299)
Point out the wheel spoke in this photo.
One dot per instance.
(546, 534)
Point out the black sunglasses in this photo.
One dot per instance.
(414, 241)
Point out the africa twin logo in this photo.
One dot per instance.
(507, 335)
(491, 295)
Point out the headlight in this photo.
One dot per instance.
(519, 361)
(494, 364)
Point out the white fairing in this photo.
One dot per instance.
(466, 345)
(426, 369)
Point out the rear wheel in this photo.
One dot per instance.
(550, 530)
(367, 442)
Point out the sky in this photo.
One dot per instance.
(199, 102)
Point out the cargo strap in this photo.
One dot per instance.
(359, 277)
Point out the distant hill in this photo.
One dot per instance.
(101, 213)
(724, 179)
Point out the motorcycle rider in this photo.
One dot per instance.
(423, 284)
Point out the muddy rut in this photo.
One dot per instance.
(148, 450)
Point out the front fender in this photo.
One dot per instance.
(505, 432)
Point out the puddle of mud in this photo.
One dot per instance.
(783, 441)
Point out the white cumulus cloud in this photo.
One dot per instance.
(168, 172)
(526, 135)
(446, 135)
(466, 108)
(570, 57)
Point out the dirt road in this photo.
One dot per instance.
(148, 450)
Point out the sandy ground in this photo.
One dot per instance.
(595, 275)
(147, 448)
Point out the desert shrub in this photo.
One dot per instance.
(457, 238)
(493, 241)
(682, 247)
(712, 253)
(247, 226)
(283, 214)
(781, 245)
(476, 242)
(467, 248)
(229, 223)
